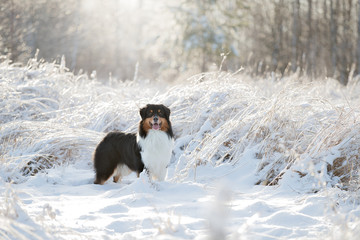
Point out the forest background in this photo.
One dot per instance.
(165, 39)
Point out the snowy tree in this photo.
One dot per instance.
(208, 29)
(13, 30)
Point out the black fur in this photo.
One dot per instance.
(116, 148)
(122, 148)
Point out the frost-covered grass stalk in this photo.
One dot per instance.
(294, 126)
(51, 117)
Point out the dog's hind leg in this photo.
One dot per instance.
(117, 174)
(120, 171)
(102, 176)
(99, 181)
(116, 178)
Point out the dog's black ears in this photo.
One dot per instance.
(143, 112)
(167, 111)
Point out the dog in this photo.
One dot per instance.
(150, 148)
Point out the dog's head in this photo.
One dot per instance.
(155, 117)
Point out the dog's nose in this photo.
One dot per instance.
(156, 118)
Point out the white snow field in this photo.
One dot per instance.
(253, 158)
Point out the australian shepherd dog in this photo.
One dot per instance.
(120, 153)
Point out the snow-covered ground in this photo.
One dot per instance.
(253, 158)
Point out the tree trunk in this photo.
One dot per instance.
(75, 38)
(11, 46)
(295, 35)
(358, 39)
(346, 46)
(333, 36)
(309, 50)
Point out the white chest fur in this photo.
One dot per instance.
(156, 150)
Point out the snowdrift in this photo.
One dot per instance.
(241, 144)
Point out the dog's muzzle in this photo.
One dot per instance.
(156, 124)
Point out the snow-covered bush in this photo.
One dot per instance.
(50, 116)
(218, 117)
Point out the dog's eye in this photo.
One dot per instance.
(160, 112)
(150, 113)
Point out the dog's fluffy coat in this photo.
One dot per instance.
(120, 153)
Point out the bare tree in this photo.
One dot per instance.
(295, 35)
(316, 38)
(309, 44)
(277, 34)
(358, 37)
(333, 36)
(345, 54)
(13, 30)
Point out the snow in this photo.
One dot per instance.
(250, 159)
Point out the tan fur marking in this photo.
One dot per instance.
(146, 124)
(116, 178)
(164, 124)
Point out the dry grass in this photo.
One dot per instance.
(288, 121)
(51, 117)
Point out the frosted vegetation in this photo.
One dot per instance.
(253, 135)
